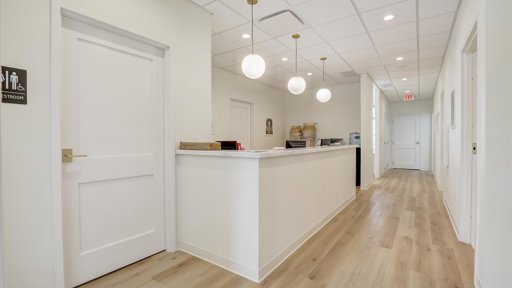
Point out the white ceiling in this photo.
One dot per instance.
(350, 33)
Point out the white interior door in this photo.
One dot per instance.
(241, 122)
(113, 199)
(406, 142)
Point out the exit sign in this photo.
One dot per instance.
(408, 97)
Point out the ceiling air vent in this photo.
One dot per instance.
(281, 23)
(349, 74)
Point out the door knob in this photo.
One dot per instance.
(67, 155)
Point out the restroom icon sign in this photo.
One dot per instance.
(14, 85)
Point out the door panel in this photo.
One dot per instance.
(406, 137)
(113, 199)
(241, 122)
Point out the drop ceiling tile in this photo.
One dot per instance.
(431, 69)
(404, 12)
(308, 37)
(438, 61)
(220, 62)
(432, 52)
(276, 58)
(431, 8)
(236, 69)
(263, 8)
(235, 35)
(438, 24)
(341, 28)
(202, 2)
(302, 66)
(315, 52)
(322, 11)
(359, 55)
(269, 47)
(333, 64)
(439, 39)
(429, 76)
(223, 18)
(404, 73)
(408, 57)
(295, 2)
(364, 66)
(237, 55)
(402, 66)
(282, 24)
(365, 5)
(351, 43)
(344, 80)
(221, 45)
(394, 34)
(397, 47)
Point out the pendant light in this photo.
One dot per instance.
(323, 95)
(296, 85)
(253, 65)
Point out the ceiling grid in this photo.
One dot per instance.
(350, 33)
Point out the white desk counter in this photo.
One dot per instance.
(247, 211)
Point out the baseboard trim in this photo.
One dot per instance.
(287, 252)
(454, 226)
(437, 183)
(478, 284)
(221, 261)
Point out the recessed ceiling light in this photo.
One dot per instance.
(407, 91)
(284, 59)
(309, 73)
(399, 58)
(404, 79)
(389, 17)
(246, 36)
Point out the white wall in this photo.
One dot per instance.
(494, 252)
(25, 42)
(267, 102)
(493, 249)
(450, 80)
(26, 194)
(412, 107)
(367, 162)
(336, 118)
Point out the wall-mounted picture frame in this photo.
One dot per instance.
(269, 126)
(452, 109)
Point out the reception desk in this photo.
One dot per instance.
(247, 211)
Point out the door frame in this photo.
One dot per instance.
(465, 202)
(57, 10)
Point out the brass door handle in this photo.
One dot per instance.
(67, 155)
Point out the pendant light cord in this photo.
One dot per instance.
(323, 70)
(295, 56)
(252, 28)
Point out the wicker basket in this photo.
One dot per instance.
(199, 146)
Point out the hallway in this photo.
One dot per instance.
(397, 234)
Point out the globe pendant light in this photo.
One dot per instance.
(323, 95)
(253, 65)
(296, 85)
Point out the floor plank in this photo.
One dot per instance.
(397, 234)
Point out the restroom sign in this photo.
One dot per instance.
(408, 97)
(14, 85)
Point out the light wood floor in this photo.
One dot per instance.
(398, 234)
